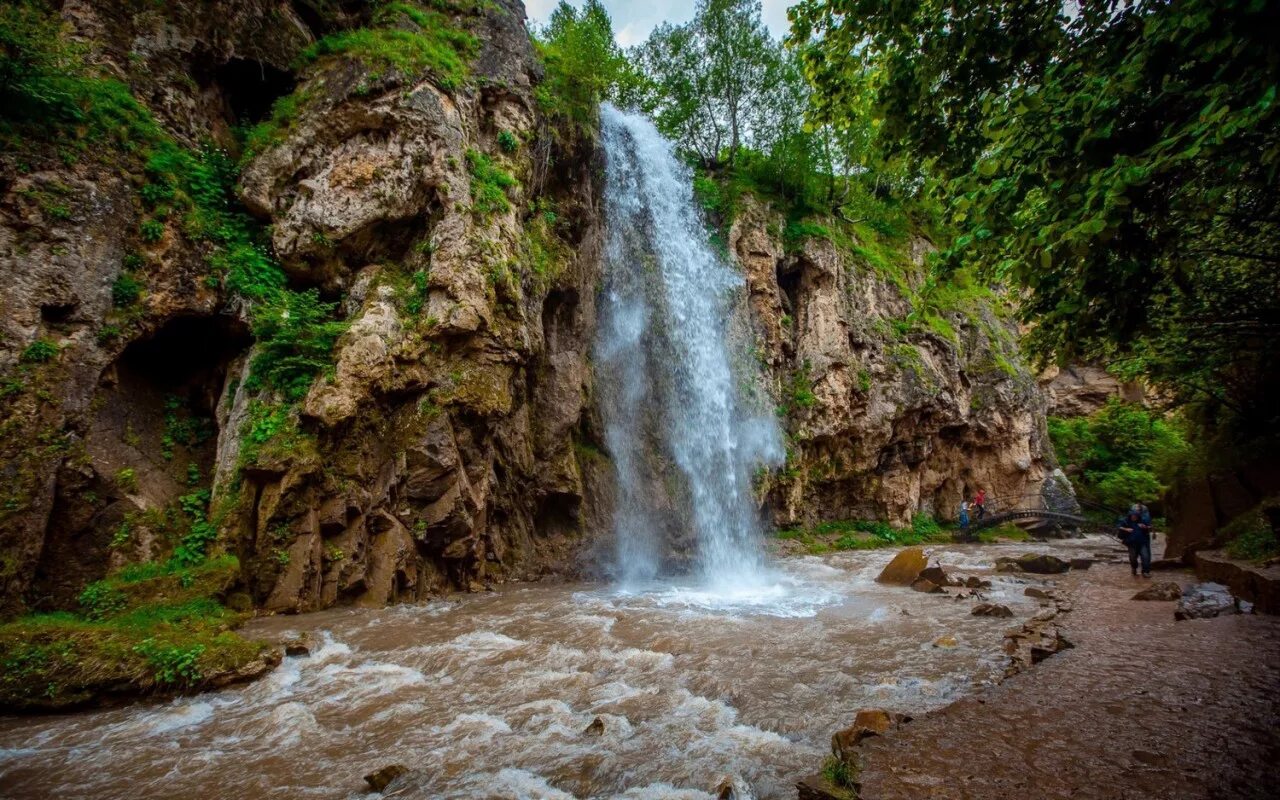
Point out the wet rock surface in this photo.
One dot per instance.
(1206, 601)
(1094, 722)
(905, 567)
(1165, 590)
(380, 779)
(1035, 563)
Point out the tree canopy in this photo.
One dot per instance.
(1114, 162)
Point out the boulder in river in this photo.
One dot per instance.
(380, 779)
(939, 576)
(1204, 601)
(945, 641)
(868, 722)
(905, 567)
(991, 610)
(725, 790)
(1164, 590)
(817, 787)
(974, 582)
(925, 585)
(1031, 562)
(596, 728)
(1038, 593)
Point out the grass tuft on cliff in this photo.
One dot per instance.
(154, 628)
(407, 38)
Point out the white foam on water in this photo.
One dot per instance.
(182, 716)
(519, 784)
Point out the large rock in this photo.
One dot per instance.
(817, 787)
(904, 568)
(1164, 590)
(1034, 563)
(1205, 601)
(380, 779)
(868, 722)
(938, 575)
(926, 586)
(991, 610)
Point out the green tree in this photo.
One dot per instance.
(584, 65)
(1115, 161)
(718, 82)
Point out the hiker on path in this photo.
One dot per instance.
(980, 503)
(1135, 532)
(964, 517)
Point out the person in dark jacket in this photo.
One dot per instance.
(1135, 532)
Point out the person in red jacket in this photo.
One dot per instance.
(980, 504)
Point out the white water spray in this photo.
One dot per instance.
(667, 381)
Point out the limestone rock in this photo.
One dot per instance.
(817, 787)
(926, 586)
(946, 641)
(1033, 563)
(904, 568)
(868, 722)
(938, 575)
(380, 779)
(991, 610)
(1205, 601)
(1165, 590)
(1038, 593)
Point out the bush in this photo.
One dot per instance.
(489, 184)
(508, 142)
(39, 351)
(295, 337)
(125, 291)
(1252, 535)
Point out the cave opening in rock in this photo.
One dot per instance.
(250, 88)
(150, 438)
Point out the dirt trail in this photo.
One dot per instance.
(1142, 707)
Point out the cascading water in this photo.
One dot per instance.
(666, 370)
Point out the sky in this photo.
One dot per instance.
(633, 19)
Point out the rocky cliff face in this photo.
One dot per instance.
(1080, 390)
(413, 191)
(898, 401)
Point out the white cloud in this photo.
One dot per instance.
(634, 19)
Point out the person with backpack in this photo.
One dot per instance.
(1135, 532)
(980, 503)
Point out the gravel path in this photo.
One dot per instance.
(1142, 707)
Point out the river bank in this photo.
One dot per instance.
(1142, 707)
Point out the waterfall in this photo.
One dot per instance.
(683, 439)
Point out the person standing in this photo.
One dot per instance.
(1136, 535)
(964, 518)
(980, 504)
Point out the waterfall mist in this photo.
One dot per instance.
(683, 439)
